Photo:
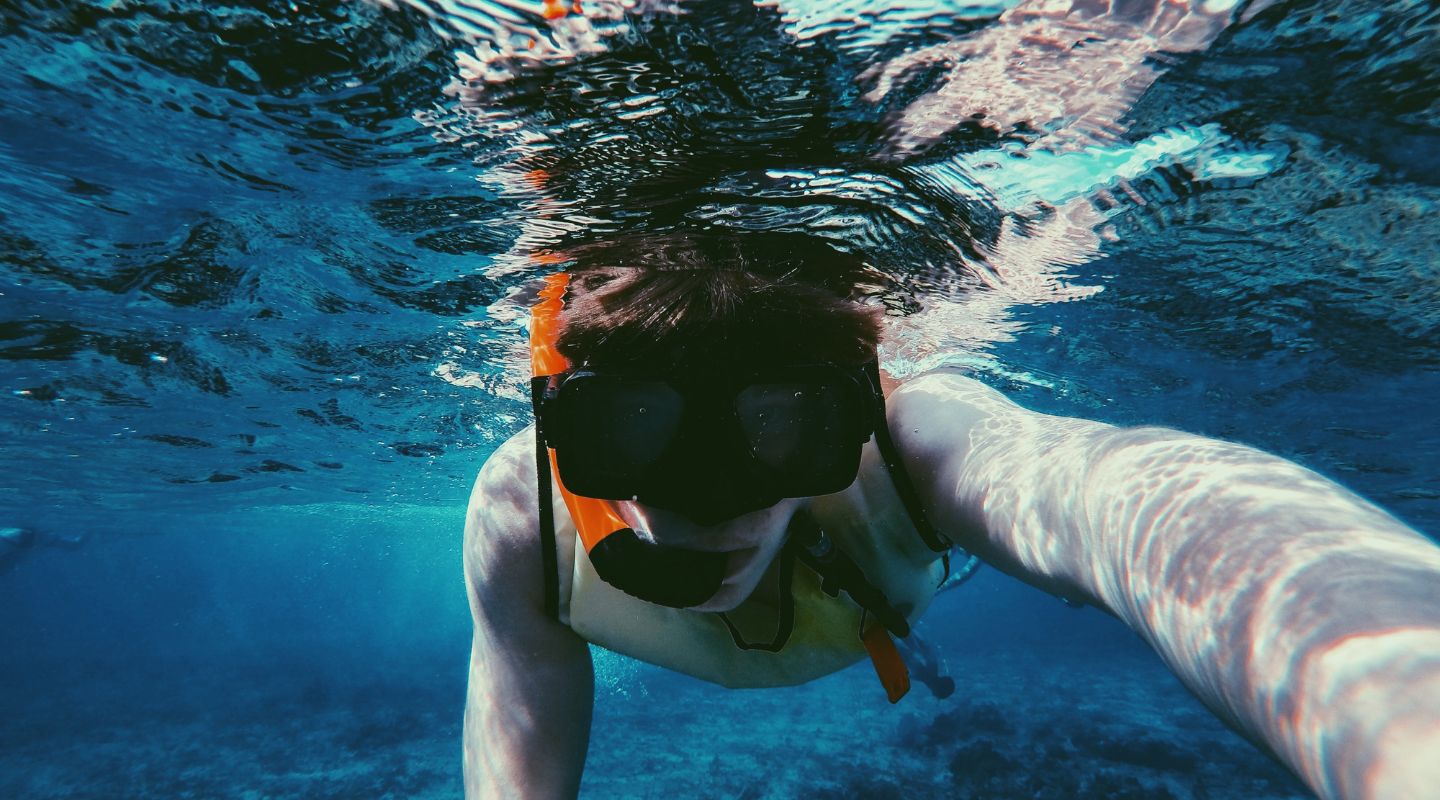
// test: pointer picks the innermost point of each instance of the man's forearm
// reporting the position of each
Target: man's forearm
(1301, 612)
(1304, 615)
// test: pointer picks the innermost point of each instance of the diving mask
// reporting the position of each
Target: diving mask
(710, 447)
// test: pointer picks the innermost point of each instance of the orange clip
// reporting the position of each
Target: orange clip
(889, 666)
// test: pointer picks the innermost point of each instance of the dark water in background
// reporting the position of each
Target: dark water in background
(260, 323)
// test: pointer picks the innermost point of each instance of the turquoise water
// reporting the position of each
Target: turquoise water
(263, 270)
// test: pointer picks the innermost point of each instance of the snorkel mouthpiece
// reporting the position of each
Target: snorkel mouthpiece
(657, 573)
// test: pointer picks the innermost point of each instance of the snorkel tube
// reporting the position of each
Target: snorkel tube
(594, 519)
(655, 573)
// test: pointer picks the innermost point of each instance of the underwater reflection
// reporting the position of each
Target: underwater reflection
(960, 161)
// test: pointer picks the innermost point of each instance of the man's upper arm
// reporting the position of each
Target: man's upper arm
(528, 705)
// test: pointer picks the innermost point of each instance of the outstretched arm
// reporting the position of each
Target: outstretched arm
(1297, 611)
(529, 701)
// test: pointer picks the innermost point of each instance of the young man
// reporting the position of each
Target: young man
(718, 399)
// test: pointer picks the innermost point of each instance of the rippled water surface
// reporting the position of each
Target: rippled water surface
(279, 252)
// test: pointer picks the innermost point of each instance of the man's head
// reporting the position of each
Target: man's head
(712, 388)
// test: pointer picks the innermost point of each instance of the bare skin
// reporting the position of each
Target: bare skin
(1299, 613)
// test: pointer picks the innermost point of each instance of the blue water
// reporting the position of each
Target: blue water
(261, 319)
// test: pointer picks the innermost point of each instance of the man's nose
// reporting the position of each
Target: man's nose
(708, 515)
(718, 501)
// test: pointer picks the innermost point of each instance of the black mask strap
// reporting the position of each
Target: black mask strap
(785, 612)
(899, 476)
(549, 558)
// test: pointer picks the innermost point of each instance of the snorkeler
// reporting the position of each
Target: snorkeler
(723, 482)
(719, 485)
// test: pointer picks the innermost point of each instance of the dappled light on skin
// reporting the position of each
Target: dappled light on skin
(1345, 675)
(1301, 601)
(1303, 615)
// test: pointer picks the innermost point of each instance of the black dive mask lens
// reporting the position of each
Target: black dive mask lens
(715, 504)
(711, 448)
(609, 433)
(805, 436)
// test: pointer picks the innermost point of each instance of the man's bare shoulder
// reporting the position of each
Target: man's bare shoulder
(507, 478)
(501, 522)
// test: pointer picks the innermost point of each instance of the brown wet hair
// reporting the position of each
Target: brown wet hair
(687, 302)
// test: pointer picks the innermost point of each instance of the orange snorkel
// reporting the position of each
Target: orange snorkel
(594, 519)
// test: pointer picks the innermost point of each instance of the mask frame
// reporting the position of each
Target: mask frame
(743, 441)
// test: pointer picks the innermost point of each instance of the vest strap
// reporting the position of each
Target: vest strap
(785, 625)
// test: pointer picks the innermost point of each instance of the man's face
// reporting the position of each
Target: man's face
(720, 517)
